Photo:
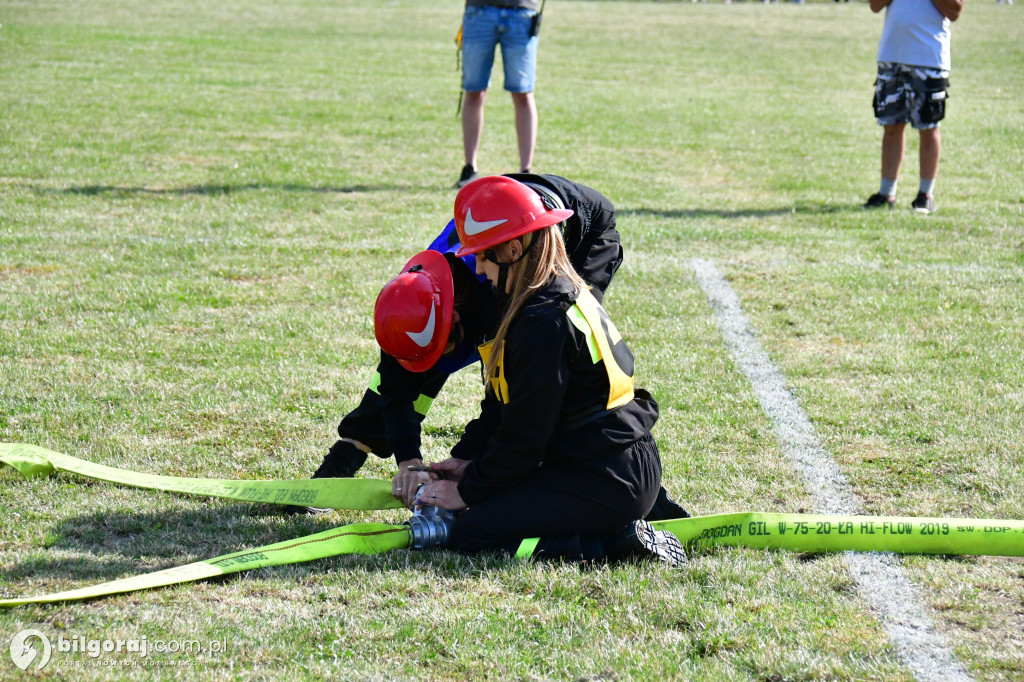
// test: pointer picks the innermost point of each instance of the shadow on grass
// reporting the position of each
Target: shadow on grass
(127, 543)
(799, 209)
(221, 190)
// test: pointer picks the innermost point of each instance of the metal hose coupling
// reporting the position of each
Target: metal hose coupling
(430, 527)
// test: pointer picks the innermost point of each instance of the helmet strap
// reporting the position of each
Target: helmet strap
(503, 268)
(502, 284)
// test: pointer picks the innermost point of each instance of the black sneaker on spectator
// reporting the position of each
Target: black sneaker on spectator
(342, 461)
(639, 540)
(879, 200)
(468, 176)
(923, 204)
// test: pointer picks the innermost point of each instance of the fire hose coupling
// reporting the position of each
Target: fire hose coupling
(430, 527)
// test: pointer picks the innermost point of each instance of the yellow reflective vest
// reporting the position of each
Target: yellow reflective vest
(604, 342)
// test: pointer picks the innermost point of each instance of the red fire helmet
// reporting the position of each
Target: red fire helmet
(413, 313)
(495, 209)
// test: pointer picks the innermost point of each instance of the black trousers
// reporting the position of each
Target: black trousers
(571, 510)
(366, 423)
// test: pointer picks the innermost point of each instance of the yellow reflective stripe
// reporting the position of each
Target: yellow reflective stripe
(527, 547)
(580, 322)
(423, 404)
(620, 384)
(498, 383)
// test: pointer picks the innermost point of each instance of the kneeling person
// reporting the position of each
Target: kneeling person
(562, 449)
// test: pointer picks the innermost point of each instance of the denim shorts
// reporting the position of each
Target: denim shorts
(483, 28)
(910, 94)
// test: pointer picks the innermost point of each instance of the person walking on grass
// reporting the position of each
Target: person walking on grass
(912, 87)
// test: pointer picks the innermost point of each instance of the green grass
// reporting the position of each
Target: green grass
(199, 203)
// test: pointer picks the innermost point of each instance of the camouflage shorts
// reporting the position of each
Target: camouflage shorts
(910, 94)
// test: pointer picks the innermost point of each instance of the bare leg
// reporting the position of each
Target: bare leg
(472, 124)
(931, 148)
(526, 127)
(892, 150)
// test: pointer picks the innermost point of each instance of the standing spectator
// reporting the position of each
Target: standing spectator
(514, 24)
(912, 84)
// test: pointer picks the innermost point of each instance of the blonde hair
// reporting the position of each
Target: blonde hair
(544, 257)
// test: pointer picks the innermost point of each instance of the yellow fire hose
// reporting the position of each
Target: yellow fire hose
(812, 533)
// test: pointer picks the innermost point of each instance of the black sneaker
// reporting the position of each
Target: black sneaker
(923, 204)
(639, 540)
(468, 176)
(879, 200)
(666, 508)
(342, 461)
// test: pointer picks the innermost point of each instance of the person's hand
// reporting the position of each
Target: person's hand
(405, 483)
(443, 494)
(453, 468)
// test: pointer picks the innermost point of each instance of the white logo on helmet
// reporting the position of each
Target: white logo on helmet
(476, 227)
(422, 338)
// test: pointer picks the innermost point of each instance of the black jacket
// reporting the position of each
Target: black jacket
(556, 412)
(591, 239)
(387, 419)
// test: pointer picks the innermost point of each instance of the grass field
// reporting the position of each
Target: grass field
(200, 201)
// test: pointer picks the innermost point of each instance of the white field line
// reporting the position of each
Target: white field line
(879, 577)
